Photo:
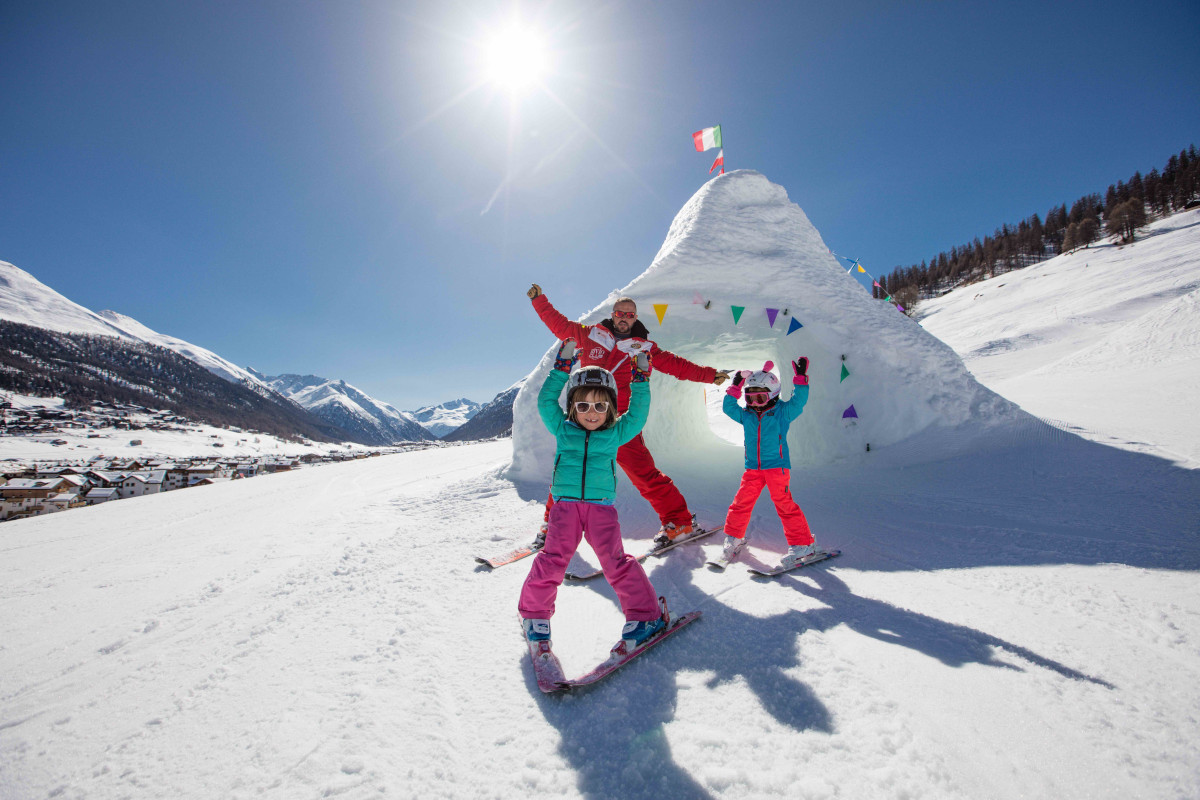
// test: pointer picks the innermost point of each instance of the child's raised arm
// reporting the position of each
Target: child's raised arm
(548, 407)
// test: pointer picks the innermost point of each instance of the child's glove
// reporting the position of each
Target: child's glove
(735, 389)
(640, 364)
(566, 356)
(800, 367)
(534, 292)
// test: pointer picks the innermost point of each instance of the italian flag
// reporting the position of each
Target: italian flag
(720, 162)
(707, 139)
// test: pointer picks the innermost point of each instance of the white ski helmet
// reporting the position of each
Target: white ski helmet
(764, 381)
(592, 377)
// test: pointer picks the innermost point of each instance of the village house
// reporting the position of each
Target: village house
(139, 484)
(102, 495)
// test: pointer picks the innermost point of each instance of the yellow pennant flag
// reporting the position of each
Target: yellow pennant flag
(661, 310)
(860, 269)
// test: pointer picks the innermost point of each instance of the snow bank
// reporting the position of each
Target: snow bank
(741, 242)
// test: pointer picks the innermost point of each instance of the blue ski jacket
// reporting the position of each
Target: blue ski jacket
(765, 433)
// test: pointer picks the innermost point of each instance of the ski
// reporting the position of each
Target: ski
(815, 558)
(657, 550)
(509, 557)
(619, 656)
(546, 666)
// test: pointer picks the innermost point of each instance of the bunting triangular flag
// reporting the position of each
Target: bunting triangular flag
(860, 269)
(661, 310)
(845, 373)
(794, 326)
(850, 412)
(737, 313)
(696, 298)
(771, 314)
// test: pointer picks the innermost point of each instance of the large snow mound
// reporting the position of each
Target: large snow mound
(740, 242)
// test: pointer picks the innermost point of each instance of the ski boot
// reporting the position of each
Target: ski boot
(733, 547)
(670, 531)
(536, 630)
(798, 553)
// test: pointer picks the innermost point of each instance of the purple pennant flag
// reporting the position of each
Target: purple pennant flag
(900, 307)
(771, 314)
(850, 413)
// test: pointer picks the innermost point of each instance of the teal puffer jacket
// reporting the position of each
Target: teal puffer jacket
(765, 435)
(585, 461)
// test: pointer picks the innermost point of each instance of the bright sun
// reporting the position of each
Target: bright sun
(515, 58)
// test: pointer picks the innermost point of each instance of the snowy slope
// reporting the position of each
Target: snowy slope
(445, 417)
(1015, 615)
(1104, 341)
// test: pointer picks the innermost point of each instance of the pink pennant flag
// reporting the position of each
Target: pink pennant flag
(697, 299)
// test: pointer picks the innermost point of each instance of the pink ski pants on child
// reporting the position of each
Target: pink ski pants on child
(569, 520)
(795, 526)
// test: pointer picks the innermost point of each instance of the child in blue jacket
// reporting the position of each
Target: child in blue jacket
(765, 421)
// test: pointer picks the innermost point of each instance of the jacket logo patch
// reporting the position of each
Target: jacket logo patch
(597, 353)
(602, 337)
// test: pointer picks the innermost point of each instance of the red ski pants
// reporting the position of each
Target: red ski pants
(795, 526)
(659, 490)
(569, 521)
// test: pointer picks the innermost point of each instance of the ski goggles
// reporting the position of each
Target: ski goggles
(624, 315)
(757, 398)
(582, 407)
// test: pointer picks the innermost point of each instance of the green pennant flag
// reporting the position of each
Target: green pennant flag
(845, 373)
(737, 313)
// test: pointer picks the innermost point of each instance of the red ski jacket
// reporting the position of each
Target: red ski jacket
(600, 345)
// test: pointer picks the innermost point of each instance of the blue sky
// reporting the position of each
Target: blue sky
(335, 188)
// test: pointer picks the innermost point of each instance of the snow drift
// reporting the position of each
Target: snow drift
(740, 242)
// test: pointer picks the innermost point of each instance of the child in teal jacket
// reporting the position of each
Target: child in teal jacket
(584, 488)
(765, 421)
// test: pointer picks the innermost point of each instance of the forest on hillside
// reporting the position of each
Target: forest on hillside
(1125, 208)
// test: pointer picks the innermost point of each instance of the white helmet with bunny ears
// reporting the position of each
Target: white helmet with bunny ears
(764, 380)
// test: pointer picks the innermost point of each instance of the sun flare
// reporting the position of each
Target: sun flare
(515, 58)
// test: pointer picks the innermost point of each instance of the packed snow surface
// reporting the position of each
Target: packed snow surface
(1015, 614)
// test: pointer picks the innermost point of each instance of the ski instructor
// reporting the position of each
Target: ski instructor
(608, 345)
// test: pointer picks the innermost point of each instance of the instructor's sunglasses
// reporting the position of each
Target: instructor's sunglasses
(624, 315)
(582, 407)
(758, 398)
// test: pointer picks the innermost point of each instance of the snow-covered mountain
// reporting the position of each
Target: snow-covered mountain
(491, 419)
(371, 421)
(1014, 613)
(25, 299)
(445, 417)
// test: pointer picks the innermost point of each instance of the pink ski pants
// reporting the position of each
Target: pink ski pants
(795, 526)
(570, 520)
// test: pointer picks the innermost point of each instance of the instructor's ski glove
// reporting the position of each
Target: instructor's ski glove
(721, 377)
(566, 356)
(640, 364)
(800, 367)
(535, 291)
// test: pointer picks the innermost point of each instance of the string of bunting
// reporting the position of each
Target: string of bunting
(854, 264)
(772, 314)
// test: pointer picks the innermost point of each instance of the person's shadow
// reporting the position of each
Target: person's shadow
(614, 734)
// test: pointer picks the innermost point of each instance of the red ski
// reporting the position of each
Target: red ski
(620, 656)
